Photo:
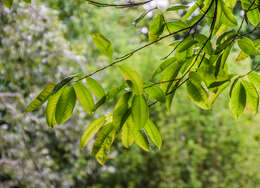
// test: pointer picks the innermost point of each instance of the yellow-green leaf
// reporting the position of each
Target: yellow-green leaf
(196, 92)
(51, 108)
(252, 97)
(91, 130)
(141, 140)
(65, 105)
(248, 46)
(133, 79)
(100, 138)
(101, 155)
(95, 87)
(155, 92)
(238, 99)
(127, 134)
(163, 66)
(255, 79)
(41, 98)
(103, 44)
(120, 110)
(140, 111)
(84, 96)
(156, 27)
(153, 132)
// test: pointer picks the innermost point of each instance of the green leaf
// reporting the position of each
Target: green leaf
(237, 100)
(103, 44)
(188, 42)
(141, 140)
(252, 12)
(202, 39)
(105, 148)
(156, 28)
(153, 132)
(255, 79)
(62, 83)
(140, 111)
(41, 98)
(8, 3)
(163, 66)
(254, 16)
(84, 96)
(115, 91)
(248, 46)
(177, 7)
(196, 92)
(230, 3)
(133, 79)
(127, 134)
(175, 26)
(101, 137)
(91, 130)
(51, 108)
(191, 10)
(252, 97)
(65, 105)
(120, 110)
(170, 75)
(95, 87)
(155, 92)
(228, 13)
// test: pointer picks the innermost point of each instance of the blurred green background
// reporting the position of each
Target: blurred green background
(48, 40)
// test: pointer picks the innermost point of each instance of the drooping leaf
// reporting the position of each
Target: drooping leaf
(140, 111)
(228, 13)
(188, 42)
(103, 44)
(156, 28)
(153, 132)
(155, 92)
(95, 87)
(255, 79)
(41, 98)
(62, 83)
(65, 105)
(141, 140)
(252, 97)
(196, 92)
(84, 96)
(248, 46)
(177, 7)
(169, 75)
(252, 12)
(120, 110)
(91, 130)
(101, 155)
(115, 91)
(127, 134)
(204, 42)
(175, 26)
(51, 108)
(238, 100)
(191, 10)
(133, 79)
(100, 138)
(163, 66)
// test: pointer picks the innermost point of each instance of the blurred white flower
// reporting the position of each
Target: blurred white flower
(162, 4)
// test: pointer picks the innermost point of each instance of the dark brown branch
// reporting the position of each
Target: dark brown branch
(127, 5)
